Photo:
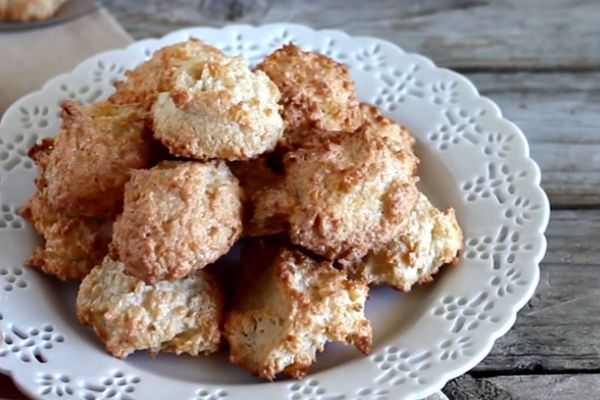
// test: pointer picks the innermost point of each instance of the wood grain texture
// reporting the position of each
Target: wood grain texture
(507, 34)
(559, 329)
(529, 387)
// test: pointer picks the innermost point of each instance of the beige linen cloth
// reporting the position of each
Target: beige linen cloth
(30, 58)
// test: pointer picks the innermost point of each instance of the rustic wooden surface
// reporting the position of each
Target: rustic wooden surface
(540, 61)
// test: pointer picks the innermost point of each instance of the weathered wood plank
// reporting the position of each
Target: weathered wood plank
(560, 115)
(530, 387)
(455, 33)
(559, 330)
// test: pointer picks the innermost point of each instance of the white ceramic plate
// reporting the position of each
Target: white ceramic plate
(472, 160)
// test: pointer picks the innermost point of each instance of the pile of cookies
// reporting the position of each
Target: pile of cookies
(141, 195)
(28, 10)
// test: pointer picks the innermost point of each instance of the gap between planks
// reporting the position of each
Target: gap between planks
(531, 387)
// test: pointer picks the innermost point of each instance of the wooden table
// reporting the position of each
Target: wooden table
(540, 61)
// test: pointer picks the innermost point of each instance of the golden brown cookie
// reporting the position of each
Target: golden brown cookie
(180, 316)
(72, 245)
(377, 124)
(142, 85)
(345, 196)
(215, 107)
(430, 240)
(317, 94)
(290, 307)
(92, 157)
(177, 217)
